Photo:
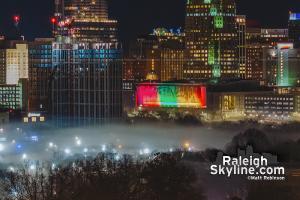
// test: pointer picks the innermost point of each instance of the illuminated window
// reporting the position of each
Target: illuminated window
(25, 120)
(42, 119)
(33, 119)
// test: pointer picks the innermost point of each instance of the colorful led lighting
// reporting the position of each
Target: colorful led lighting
(167, 95)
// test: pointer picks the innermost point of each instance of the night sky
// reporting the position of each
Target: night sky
(138, 16)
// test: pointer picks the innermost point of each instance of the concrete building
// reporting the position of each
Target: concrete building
(14, 62)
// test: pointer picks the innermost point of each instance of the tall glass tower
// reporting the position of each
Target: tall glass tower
(87, 66)
(88, 9)
(211, 39)
(85, 21)
(294, 29)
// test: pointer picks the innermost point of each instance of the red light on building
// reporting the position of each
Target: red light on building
(16, 18)
(53, 20)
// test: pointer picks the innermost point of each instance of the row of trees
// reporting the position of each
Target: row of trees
(162, 177)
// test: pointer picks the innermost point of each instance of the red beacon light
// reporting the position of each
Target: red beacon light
(17, 18)
(53, 20)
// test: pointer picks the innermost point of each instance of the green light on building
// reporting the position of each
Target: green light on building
(219, 21)
(211, 55)
(168, 96)
(207, 1)
(216, 71)
(283, 76)
(213, 11)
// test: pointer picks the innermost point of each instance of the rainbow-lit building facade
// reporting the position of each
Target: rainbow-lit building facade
(170, 95)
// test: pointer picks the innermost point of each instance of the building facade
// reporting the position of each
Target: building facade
(211, 39)
(14, 62)
(12, 97)
(161, 52)
(275, 106)
(294, 29)
(85, 21)
(281, 65)
(241, 31)
(40, 71)
(87, 84)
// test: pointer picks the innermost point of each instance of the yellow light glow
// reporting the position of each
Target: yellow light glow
(33, 119)
(25, 120)
(42, 119)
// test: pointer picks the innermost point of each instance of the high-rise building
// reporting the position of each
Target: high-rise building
(40, 69)
(254, 63)
(274, 36)
(270, 37)
(211, 39)
(161, 52)
(14, 62)
(85, 21)
(241, 31)
(158, 56)
(258, 40)
(294, 29)
(87, 83)
(281, 65)
(12, 97)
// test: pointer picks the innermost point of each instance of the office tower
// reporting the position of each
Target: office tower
(211, 39)
(12, 97)
(241, 31)
(266, 37)
(281, 65)
(40, 69)
(294, 29)
(14, 62)
(87, 83)
(254, 62)
(85, 21)
(166, 58)
(136, 59)
(158, 56)
(253, 35)
(274, 36)
(161, 52)
(13, 75)
(258, 40)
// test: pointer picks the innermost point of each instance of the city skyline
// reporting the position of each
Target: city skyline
(126, 12)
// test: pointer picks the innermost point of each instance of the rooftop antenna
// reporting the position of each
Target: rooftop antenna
(16, 20)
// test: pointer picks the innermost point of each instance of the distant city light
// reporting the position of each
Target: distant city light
(103, 147)
(67, 151)
(146, 151)
(32, 167)
(2, 147)
(78, 142)
(24, 156)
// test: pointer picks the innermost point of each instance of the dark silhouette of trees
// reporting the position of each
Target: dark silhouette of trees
(251, 137)
(162, 177)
